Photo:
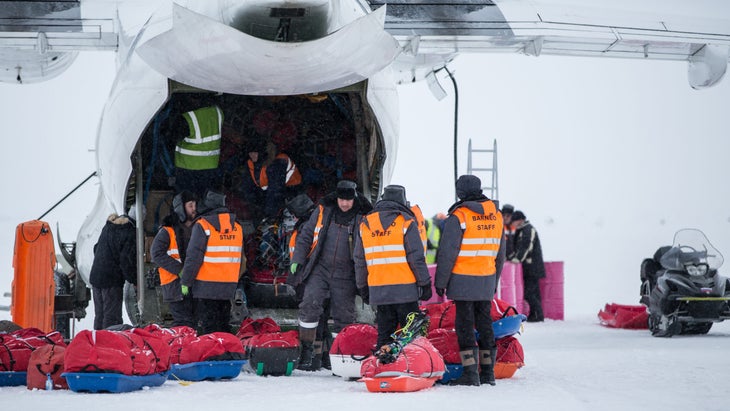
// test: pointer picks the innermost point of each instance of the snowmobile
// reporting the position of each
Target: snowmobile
(685, 294)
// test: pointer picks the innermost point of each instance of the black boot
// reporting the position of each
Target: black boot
(306, 342)
(317, 357)
(326, 363)
(487, 358)
(470, 373)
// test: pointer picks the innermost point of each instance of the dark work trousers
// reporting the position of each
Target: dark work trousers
(215, 315)
(389, 317)
(532, 296)
(323, 328)
(183, 312)
(471, 315)
(341, 293)
(107, 306)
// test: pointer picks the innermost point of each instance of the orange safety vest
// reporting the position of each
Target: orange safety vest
(292, 243)
(293, 177)
(385, 253)
(317, 229)
(421, 226)
(222, 260)
(251, 169)
(480, 241)
(167, 277)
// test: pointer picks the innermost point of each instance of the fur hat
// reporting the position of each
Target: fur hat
(468, 186)
(346, 190)
(178, 204)
(395, 193)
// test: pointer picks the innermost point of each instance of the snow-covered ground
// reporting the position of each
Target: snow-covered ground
(570, 365)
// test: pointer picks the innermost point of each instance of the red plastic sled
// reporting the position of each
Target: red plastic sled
(624, 316)
(401, 383)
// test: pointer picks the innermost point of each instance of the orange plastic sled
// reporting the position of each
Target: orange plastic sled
(34, 260)
(506, 369)
(401, 383)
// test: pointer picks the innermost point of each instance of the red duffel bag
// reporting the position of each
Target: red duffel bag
(442, 315)
(446, 343)
(99, 351)
(158, 347)
(355, 339)
(46, 361)
(250, 327)
(419, 358)
(218, 346)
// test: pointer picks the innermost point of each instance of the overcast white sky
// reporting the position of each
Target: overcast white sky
(607, 158)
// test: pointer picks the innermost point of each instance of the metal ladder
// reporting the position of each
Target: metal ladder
(488, 175)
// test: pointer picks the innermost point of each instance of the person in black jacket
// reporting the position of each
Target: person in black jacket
(115, 261)
(528, 252)
(322, 261)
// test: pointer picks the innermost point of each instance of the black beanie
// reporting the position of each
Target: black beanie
(468, 186)
(518, 215)
(211, 200)
(395, 193)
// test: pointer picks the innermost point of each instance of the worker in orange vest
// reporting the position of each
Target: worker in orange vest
(168, 252)
(214, 262)
(390, 264)
(470, 255)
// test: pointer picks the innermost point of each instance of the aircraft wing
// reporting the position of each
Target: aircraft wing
(39, 39)
(432, 33)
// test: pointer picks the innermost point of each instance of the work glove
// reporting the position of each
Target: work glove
(293, 268)
(425, 292)
(364, 294)
(440, 292)
(185, 290)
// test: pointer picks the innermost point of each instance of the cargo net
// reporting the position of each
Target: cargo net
(270, 244)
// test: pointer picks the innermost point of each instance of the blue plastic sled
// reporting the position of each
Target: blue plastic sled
(111, 382)
(452, 372)
(12, 378)
(508, 325)
(206, 370)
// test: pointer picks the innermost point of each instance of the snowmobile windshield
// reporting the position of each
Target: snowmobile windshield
(691, 249)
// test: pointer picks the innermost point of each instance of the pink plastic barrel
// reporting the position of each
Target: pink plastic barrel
(551, 290)
(512, 290)
(507, 291)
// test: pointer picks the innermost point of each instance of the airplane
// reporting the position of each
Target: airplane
(338, 62)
